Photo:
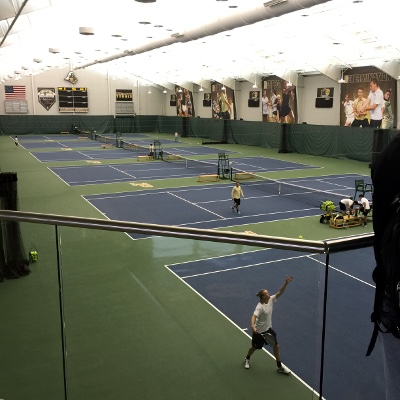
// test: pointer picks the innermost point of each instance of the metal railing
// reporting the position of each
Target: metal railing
(326, 247)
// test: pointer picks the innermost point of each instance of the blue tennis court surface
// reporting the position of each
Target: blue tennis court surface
(209, 206)
(230, 283)
(53, 144)
(114, 153)
(96, 174)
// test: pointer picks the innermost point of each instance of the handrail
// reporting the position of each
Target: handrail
(321, 247)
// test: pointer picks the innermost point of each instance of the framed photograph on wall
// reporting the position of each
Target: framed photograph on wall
(207, 100)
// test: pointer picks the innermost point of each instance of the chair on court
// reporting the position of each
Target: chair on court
(361, 186)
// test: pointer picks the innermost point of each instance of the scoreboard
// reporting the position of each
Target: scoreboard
(72, 99)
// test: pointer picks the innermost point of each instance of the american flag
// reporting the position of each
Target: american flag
(15, 92)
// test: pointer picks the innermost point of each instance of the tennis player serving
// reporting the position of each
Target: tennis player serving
(261, 325)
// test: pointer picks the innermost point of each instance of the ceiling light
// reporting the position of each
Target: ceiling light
(149, 92)
(54, 50)
(37, 60)
(180, 90)
(201, 89)
(341, 80)
(274, 3)
(255, 82)
(144, 22)
(223, 87)
(86, 30)
(164, 91)
(146, 1)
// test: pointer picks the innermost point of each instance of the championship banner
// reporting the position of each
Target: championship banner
(123, 95)
(357, 89)
(47, 97)
(222, 101)
(184, 102)
(279, 99)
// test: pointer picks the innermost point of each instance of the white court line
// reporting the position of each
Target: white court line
(193, 204)
(244, 266)
(342, 272)
(62, 180)
(122, 172)
(85, 155)
(225, 255)
(236, 217)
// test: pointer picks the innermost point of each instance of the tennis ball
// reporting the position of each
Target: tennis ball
(300, 237)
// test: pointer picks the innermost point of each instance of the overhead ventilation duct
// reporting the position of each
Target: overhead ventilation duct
(268, 10)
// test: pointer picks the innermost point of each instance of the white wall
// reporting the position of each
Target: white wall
(102, 89)
(307, 92)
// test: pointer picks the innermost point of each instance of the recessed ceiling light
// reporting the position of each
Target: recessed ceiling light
(149, 37)
(144, 22)
(86, 30)
(116, 35)
(232, 6)
(146, 1)
(158, 26)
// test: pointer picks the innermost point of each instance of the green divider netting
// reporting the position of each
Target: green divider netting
(261, 134)
(124, 124)
(146, 123)
(320, 140)
(206, 128)
(331, 141)
(170, 125)
(33, 124)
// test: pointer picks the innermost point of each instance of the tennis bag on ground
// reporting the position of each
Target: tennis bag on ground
(386, 314)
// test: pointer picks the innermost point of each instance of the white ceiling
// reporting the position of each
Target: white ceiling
(215, 40)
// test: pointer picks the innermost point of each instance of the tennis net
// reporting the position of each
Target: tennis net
(139, 150)
(105, 139)
(198, 166)
(293, 191)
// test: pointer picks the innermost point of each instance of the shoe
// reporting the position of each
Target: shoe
(284, 370)
(239, 212)
(246, 363)
(233, 207)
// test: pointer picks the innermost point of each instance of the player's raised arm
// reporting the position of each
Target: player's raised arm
(283, 288)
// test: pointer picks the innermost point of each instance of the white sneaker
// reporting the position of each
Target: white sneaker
(284, 370)
(246, 363)
(239, 212)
